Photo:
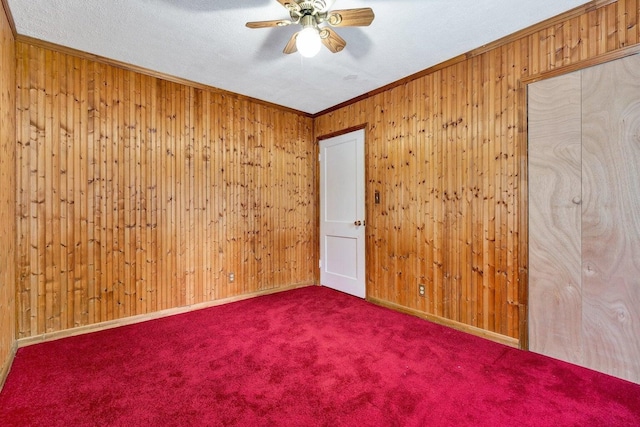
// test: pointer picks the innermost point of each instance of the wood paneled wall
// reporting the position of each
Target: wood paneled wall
(447, 152)
(135, 194)
(7, 194)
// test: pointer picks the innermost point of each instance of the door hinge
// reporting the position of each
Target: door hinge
(319, 263)
(319, 157)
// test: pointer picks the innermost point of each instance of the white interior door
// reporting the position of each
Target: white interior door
(342, 221)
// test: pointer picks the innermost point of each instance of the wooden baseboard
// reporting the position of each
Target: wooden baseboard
(52, 336)
(23, 342)
(502, 339)
(6, 365)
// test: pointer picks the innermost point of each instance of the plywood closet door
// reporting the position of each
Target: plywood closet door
(555, 310)
(611, 218)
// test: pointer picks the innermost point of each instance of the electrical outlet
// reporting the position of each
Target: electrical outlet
(421, 290)
(232, 277)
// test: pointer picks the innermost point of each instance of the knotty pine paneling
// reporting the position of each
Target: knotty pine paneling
(136, 194)
(7, 194)
(446, 152)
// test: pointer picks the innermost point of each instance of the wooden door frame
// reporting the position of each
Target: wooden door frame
(363, 126)
(523, 147)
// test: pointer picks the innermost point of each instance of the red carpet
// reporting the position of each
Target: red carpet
(308, 357)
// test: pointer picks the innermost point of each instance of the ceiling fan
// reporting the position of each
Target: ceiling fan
(311, 14)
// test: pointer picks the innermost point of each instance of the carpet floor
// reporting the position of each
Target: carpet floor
(306, 357)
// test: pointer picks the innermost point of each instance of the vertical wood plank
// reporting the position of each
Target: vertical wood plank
(12, 203)
(92, 244)
(24, 303)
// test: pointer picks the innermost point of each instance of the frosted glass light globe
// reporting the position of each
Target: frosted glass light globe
(308, 42)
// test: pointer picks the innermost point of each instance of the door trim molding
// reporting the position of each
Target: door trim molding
(345, 131)
(316, 178)
(591, 62)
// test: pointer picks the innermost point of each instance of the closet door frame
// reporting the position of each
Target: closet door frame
(523, 143)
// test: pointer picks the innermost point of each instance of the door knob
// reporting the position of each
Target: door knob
(577, 200)
(357, 223)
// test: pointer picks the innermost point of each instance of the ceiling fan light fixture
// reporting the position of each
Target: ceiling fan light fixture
(311, 14)
(308, 42)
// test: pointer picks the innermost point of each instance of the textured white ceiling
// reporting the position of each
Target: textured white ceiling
(206, 41)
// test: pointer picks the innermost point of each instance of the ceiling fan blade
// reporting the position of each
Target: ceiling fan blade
(332, 40)
(269, 24)
(323, 5)
(291, 45)
(290, 5)
(351, 17)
